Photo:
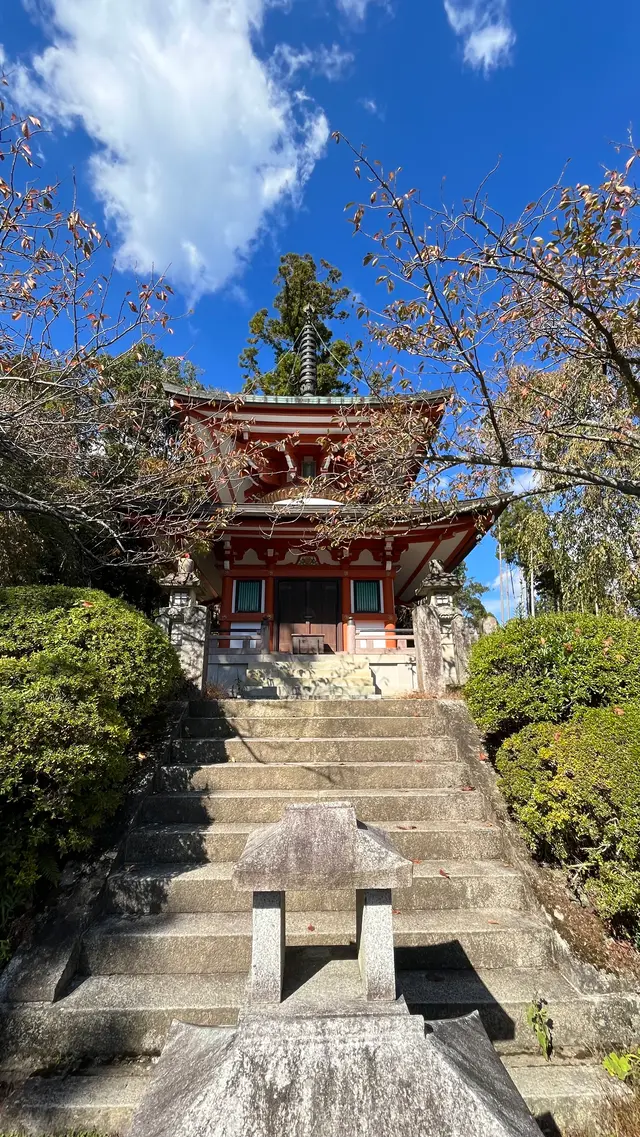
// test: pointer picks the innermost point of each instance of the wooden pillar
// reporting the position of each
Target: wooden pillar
(389, 609)
(345, 605)
(269, 609)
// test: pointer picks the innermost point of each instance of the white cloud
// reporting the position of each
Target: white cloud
(526, 481)
(355, 9)
(371, 106)
(331, 62)
(197, 138)
(485, 30)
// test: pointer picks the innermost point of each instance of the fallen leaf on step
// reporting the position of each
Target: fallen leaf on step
(482, 757)
(444, 874)
(311, 927)
(416, 862)
(396, 911)
(493, 921)
(467, 788)
(407, 827)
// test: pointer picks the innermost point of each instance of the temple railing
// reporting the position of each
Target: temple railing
(379, 640)
(237, 643)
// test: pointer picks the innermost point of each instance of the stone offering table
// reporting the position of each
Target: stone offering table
(321, 846)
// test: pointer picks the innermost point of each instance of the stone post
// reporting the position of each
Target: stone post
(350, 645)
(374, 939)
(267, 952)
(439, 650)
(185, 621)
(265, 635)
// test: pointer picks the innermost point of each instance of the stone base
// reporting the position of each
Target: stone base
(339, 676)
(378, 1074)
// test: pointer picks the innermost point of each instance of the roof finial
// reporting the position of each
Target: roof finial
(308, 357)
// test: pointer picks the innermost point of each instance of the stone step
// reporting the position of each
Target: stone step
(100, 1101)
(566, 1096)
(404, 806)
(107, 1016)
(312, 726)
(329, 750)
(143, 890)
(103, 1099)
(337, 708)
(314, 776)
(221, 942)
(224, 841)
(114, 1015)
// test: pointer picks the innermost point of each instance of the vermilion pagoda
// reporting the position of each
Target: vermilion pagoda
(282, 593)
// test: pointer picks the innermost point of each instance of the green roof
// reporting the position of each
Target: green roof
(216, 396)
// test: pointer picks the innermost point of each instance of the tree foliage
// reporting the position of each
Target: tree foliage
(532, 323)
(299, 285)
(582, 546)
(469, 599)
(90, 450)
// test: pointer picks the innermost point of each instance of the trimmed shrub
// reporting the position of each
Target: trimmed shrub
(542, 670)
(78, 672)
(575, 789)
(138, 664)
(62, 765)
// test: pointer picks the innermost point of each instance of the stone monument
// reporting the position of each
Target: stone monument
(184, 620)
(364, 1068)
(441, 639)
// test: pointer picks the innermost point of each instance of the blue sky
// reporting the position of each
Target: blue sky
(198, 129)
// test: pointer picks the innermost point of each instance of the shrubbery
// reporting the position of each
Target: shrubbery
(542, 670)
(569, 685)
(78, 673)
(575, 788)
(138, 664)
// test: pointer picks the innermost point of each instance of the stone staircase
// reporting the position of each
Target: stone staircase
(175, 939)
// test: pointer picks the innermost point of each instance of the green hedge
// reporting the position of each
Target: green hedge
(137, 663)
(544, 669)
(78, 673)
(575, 789)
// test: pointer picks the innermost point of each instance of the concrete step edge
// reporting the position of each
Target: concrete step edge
(223, 871)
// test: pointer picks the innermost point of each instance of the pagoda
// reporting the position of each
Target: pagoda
(279, 590)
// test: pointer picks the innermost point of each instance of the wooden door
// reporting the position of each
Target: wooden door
(308, 608)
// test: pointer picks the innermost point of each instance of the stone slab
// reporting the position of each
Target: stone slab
(320, 845)
(377, 1075)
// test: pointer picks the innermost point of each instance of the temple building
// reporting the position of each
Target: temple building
(278, 593)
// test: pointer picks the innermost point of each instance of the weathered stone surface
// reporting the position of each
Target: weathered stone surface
(267, 955)
(388, 1075)
(375, 942)
(320, 845)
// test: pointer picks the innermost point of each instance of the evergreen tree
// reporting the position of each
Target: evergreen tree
(299, 286)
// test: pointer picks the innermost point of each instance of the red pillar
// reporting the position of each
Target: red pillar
(345, 605)
(389, 609)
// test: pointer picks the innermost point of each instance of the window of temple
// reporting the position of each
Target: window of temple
(248, 596)
(367, 596)
(308, 467)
